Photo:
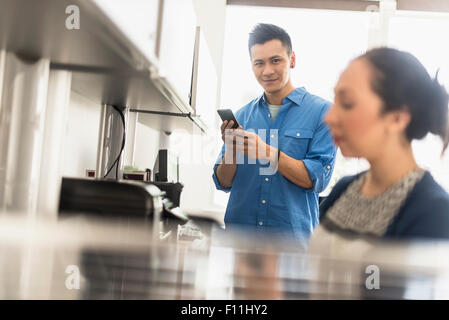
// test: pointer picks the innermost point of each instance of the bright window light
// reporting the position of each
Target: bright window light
(324, 42)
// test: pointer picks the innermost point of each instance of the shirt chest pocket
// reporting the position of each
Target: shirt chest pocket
(296, 142)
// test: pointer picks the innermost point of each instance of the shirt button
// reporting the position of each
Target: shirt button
(260, 223)
(272, 136)
(263, 201)
(266, 179)
(328, 167)
(298, 134)
(269, 115)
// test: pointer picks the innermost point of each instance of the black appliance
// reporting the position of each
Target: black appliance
(166, 167)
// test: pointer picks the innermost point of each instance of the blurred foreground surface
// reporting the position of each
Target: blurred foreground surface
(90, 258)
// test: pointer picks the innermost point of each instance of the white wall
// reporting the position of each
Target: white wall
(81, 139)
(147, 146)
(81, 136)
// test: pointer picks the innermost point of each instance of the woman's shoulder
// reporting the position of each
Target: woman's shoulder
(430, 194)
(425, 212)
(336, 192)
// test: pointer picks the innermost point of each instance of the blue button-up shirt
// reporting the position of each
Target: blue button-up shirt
(270, 201)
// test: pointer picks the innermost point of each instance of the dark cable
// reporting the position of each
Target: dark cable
(123, 145)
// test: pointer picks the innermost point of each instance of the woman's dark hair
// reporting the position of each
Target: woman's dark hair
(264, 32)
(401, 81)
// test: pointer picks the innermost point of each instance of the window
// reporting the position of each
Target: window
(324, 41)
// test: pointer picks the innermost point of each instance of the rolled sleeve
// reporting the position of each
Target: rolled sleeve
(320, 158)
(319, 173)
(214, 175)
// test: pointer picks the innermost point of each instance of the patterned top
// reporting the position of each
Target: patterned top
(370, 215)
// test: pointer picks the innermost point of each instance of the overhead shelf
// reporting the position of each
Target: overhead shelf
(108, 67)
(157, 103)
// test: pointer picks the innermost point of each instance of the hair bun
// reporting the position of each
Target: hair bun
(438, 108)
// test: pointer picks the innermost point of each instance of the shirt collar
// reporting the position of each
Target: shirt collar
(295, 96)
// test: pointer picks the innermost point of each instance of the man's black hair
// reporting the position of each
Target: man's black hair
(264, 32)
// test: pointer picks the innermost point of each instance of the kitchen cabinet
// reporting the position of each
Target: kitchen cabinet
(138, 19)
(176, 45)
(204, 84)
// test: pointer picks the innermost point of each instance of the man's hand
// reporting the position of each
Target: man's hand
(253, 146)
(250, 144)
(226, 129)
(229, 140)
(226, 170)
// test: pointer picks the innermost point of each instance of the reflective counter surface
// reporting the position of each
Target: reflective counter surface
(85, 258)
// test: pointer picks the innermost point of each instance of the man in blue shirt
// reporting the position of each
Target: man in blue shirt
(282, 155)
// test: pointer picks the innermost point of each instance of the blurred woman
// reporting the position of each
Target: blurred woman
(384, 100)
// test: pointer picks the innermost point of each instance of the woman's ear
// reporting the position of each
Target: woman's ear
(400, 119)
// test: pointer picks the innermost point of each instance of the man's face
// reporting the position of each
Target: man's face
(271, 65)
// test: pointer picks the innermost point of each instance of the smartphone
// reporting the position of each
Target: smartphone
(227, 114)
